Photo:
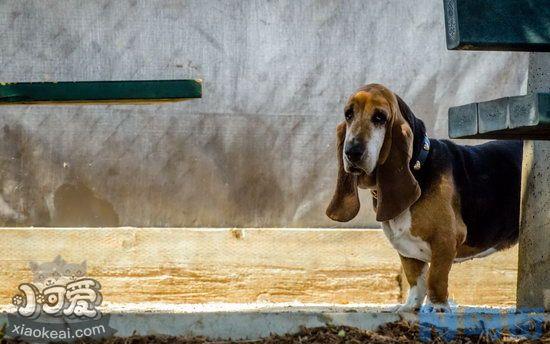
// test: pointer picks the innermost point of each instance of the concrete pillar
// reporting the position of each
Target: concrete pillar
(534, 240)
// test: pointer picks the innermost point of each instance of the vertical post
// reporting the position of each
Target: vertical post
(533, 288)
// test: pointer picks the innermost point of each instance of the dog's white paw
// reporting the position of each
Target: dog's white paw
(410, 306)
(406, 308)
(415, 299)
(436, 308)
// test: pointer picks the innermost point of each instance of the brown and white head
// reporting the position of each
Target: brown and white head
(374, 143)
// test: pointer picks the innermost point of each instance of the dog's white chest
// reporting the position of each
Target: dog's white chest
(398, 232)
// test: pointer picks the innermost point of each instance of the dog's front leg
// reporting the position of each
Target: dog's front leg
(416, 274)
(443, 254)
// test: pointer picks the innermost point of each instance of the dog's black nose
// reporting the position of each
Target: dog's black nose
(354, 150)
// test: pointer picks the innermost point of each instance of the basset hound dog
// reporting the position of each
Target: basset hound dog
(439, 203)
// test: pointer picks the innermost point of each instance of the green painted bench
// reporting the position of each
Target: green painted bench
(117, 92)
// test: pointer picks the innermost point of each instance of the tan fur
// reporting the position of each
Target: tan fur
(345, 202)
(396, 187)
(412, 268)
(440, 199)
(445, 233)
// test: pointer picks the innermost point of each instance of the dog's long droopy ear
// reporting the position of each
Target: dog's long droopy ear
(345, 201)
(397, 187)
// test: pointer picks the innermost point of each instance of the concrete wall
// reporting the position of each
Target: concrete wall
(534, 242)
(258, 149)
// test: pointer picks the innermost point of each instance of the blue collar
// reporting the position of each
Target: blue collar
(423, 154)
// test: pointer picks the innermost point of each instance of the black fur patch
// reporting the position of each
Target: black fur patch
(487, 178)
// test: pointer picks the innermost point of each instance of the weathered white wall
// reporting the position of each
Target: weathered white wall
(257, 149)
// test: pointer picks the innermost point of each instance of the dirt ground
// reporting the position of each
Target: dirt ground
(398, 332)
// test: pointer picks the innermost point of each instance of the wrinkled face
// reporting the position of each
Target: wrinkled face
(366, 116)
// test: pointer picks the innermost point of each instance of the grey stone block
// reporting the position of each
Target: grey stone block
(493, 115)
(523, 110)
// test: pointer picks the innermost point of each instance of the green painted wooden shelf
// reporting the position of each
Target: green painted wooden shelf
(521, 25)
(123, 92)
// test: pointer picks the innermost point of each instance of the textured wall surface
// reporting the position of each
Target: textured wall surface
(258, 149)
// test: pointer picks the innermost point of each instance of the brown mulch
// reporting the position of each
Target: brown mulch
(397, 332)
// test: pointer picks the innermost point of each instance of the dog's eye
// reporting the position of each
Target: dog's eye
(379, 118)
(349, 114)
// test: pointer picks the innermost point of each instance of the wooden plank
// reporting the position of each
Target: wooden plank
(126, 92)
(198, 265)
(206, 265)
(486, 281)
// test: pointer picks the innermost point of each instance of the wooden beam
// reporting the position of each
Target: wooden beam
(200, 265)
(133, 92)
(497, 25)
